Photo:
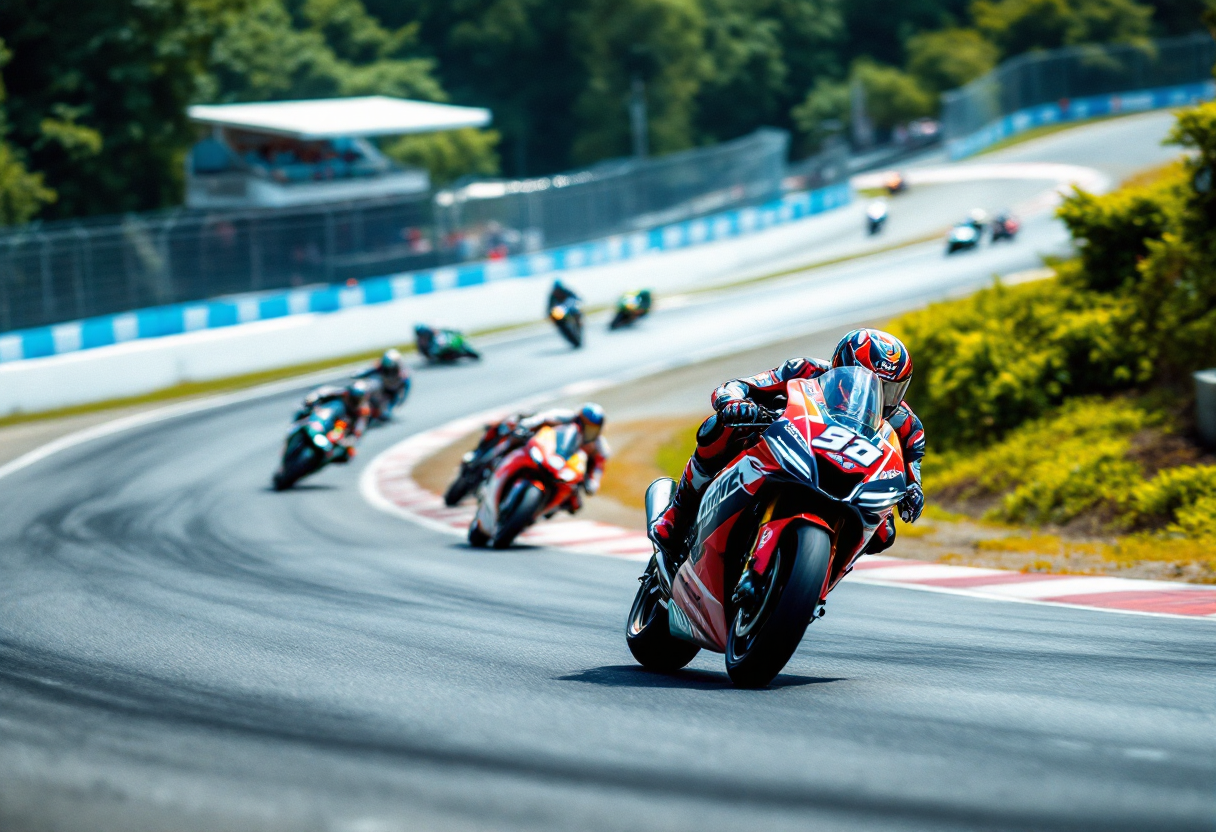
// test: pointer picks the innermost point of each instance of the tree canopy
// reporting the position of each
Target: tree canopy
(92, 118)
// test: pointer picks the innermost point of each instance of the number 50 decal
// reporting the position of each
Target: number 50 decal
(835, 438)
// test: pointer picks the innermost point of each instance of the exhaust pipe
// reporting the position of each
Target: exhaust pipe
(658, 497)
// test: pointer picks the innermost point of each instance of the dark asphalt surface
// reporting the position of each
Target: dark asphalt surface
(181, 648)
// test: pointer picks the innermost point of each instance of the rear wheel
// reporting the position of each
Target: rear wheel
(647, 632)
(761, 641)
(517, 513)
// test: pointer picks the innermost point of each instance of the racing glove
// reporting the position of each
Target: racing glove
(740, 412)
(912, 504)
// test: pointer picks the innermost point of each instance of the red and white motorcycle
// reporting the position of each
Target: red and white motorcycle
(529, 483)
(797, 507)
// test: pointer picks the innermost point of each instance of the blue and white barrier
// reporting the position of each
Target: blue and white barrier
(1079, 108)
(176, 319)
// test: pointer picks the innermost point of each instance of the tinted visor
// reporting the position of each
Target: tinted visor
(892, 394)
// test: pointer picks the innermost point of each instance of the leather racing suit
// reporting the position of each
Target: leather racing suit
(718, 443)
(357, 411)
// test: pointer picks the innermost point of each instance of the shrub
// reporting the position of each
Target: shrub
(988, 363)
(1051, 469)
(1175, 492)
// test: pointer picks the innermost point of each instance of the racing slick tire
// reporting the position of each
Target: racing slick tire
(572, 329)
(647, 631)
(760, 643)
(519, 510)
(459, 488)
(298, 462)
(477, 538)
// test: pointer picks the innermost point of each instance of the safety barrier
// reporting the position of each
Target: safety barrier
(175, 319)
(1077, 109)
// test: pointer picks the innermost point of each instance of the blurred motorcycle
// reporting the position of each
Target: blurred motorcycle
(443, 346)
(631, 308)
(568, 316)
(794, 511)
(1005, 227)
(876, 216)
(315, 440)
(963, 237)
(530, 483)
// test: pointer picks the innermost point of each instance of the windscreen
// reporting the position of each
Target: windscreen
(567, 441)
(854, 399)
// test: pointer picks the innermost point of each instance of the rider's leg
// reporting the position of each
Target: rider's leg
(715, 441)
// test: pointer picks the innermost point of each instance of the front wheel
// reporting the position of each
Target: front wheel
(760, 642)
(518, 511)
(647, 631)
(460, 487)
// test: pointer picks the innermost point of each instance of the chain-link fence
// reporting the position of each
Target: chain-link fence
(62, 271)
(1057, 76)
(614, 197)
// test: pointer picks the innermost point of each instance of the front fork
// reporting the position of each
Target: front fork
(768, 536)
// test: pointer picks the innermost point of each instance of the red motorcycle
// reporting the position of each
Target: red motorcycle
(531, 482)
(797, 507)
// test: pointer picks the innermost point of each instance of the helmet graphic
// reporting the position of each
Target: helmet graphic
(591, 419)
(359, 389)
(882, 354)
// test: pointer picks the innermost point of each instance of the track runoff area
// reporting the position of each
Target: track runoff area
(182, 648)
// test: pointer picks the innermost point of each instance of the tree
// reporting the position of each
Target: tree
(660, 42)
(449, 155)
(97, 95)
(328, 48)
(764, 55)
(949, 58)
(22, 194)
(892, 97)
(1018, 26)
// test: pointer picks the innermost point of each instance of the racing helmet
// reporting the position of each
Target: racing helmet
(591, 419)
(882, 354)
(359, 391)
(390, 362)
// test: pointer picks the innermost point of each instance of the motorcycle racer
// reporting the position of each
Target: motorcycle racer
(737, 403)
(354, 399)
(394, 377)
(590, 420)
(560, 293)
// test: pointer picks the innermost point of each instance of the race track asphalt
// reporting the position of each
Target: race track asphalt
(181, 648)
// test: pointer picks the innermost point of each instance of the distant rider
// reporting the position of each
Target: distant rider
(441, 344)
(590, 421)
(394, 378)
(354, 399)
(739, 401)
(560, 293)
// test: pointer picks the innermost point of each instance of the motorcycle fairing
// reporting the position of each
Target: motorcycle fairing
(561, 476)
(786, 453)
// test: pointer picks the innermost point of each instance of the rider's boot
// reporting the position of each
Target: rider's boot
(669, 531)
